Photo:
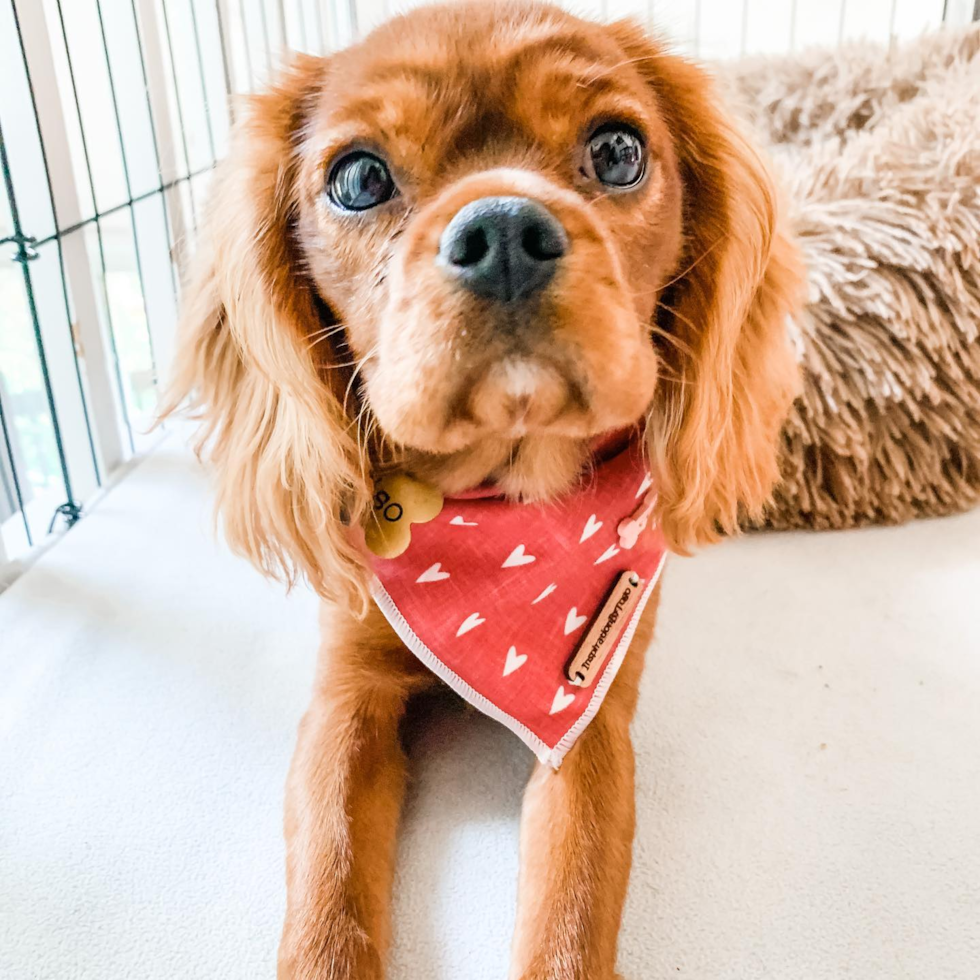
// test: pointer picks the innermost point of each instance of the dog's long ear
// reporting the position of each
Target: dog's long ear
(730, 374)
(286, 460)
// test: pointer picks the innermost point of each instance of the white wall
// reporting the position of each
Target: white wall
(703, 28)
(727, 28)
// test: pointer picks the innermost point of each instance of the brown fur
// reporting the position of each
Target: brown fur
(320, 348)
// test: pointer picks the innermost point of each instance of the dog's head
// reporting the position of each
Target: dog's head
(473, 244)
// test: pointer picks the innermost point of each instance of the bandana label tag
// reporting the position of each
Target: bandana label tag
(609, 623)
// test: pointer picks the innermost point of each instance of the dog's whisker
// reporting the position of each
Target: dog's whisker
(360, 429)
(669, 374)
(681, 345)
(324, 333)
(680, 275)
(597, 75)
(680, 316)
(358, 366)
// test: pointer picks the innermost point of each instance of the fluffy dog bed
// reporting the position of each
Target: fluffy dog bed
(880, 158)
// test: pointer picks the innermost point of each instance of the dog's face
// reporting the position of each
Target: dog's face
(490, 205)
(470, 245)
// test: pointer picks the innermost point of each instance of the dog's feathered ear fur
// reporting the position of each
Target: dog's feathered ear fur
(730, 374)
(285, 452)
(291, 476)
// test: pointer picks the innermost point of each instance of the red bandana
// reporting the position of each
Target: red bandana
(527, 610)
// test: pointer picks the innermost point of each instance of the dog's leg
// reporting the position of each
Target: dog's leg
(343, 798)
(576, 843)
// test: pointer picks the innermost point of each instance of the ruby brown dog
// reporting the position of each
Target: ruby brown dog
(504, 258)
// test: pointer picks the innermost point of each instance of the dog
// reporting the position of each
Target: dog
(477, 247)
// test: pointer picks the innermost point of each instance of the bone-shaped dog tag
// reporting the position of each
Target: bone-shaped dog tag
(399, 502)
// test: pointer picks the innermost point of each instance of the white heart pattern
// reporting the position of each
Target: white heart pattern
(470, 623)
(574, 621)
(610, 552)
(544, 595)
(591, 526)
(433, 573)
(514, 661)
(517, 558)
(561, 702)
(459, 522)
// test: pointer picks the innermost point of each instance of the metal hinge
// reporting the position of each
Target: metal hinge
(26, 252)
(70, 511)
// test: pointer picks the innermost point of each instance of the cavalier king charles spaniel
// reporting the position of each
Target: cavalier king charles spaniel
(477, 247)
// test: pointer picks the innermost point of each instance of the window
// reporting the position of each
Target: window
(112, 116)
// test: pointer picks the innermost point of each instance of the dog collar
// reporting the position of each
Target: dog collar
(525, 610)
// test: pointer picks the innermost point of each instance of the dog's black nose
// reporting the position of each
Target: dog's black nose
(503, 248)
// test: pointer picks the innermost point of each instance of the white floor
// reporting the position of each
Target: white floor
(808, 739)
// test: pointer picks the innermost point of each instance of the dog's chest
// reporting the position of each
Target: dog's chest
(527, 610)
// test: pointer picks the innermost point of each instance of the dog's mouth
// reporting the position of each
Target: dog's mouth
(517, 395)
(482, 396)
(523, 422)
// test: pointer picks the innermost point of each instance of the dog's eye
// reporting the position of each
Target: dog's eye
(614, 155)
(360, 181)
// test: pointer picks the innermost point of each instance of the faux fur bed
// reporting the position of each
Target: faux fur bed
(880, 158)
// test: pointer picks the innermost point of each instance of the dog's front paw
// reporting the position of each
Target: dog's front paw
(334, 950)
